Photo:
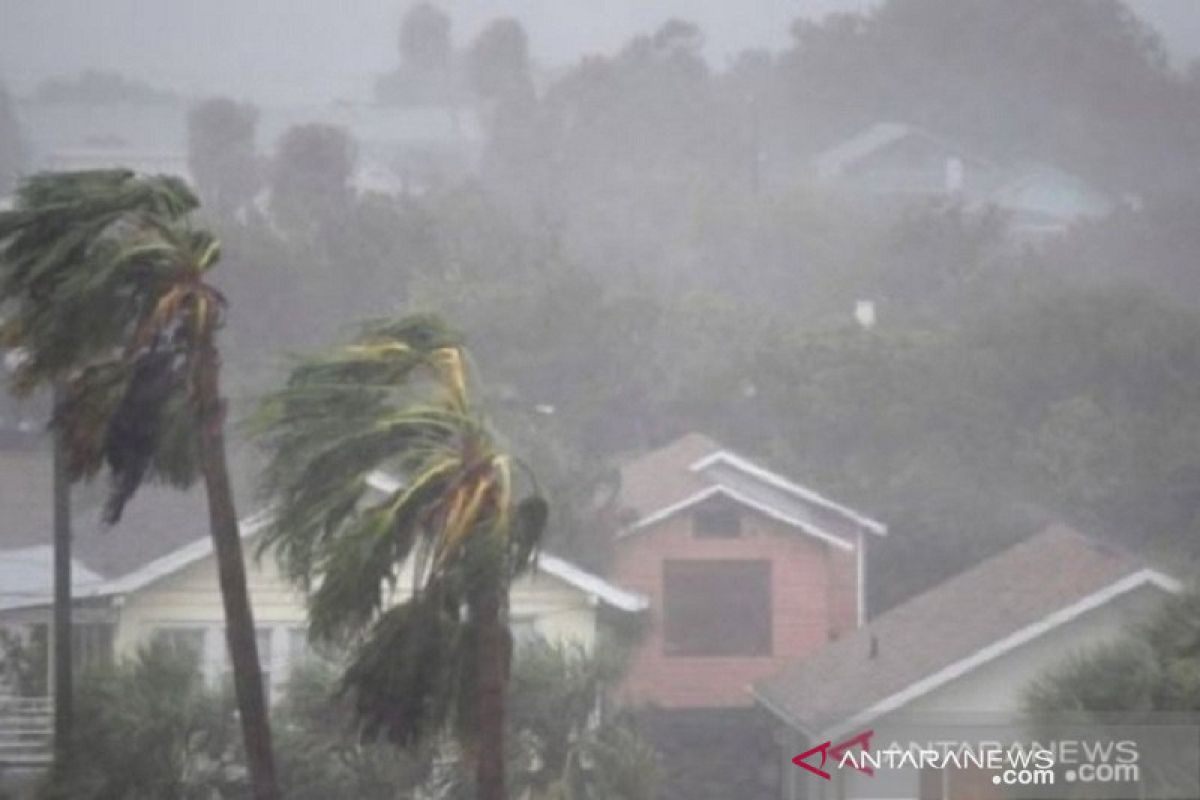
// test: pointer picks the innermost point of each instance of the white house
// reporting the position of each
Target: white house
(963, 652)
(154, 574)
(896, 162)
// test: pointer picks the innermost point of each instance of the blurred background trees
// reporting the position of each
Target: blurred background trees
(222, 153)
(642, 253)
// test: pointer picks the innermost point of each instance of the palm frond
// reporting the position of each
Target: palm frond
(56, 266)
(397, 399)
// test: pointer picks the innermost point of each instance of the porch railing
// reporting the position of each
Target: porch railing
(26, 731)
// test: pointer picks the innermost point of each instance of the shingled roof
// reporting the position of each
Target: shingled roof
(158, 520)
(970, 619)
(694, 468)
(161, 531)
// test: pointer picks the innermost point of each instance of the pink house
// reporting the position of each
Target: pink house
(745, 569)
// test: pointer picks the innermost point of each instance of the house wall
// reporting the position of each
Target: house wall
(190, 599)
(999, 685)
(540, 604)
(813, 591)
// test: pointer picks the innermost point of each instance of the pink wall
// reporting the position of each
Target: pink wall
(813, 590)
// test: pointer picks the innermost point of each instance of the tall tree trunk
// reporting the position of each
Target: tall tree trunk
(63, 683)
(231, 568)
(493, 678)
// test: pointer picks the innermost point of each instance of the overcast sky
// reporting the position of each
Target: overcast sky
(316, 50)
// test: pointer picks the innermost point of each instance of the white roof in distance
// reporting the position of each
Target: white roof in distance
(27, 577)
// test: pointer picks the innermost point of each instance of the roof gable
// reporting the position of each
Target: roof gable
(711, 463)
(695, 468)
(744, 500)
(882, 137)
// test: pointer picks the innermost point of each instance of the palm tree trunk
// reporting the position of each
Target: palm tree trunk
(63, 683)
(493, 676)
(231, 569)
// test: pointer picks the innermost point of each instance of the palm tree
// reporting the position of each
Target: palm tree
(57, 220)
(435, 652)
(127, 323)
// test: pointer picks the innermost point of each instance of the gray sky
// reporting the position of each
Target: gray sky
(316, 49)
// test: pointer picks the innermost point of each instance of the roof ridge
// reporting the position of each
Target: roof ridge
(780, 481)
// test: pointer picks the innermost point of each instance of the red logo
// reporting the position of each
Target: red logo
(827, 749)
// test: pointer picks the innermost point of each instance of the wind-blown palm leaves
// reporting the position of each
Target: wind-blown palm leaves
(63, 227)
(87, 305)
(103, 283)
(396, 402)
(150, 391)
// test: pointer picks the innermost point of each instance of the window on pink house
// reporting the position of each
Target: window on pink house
(717, 521)
(716, 608)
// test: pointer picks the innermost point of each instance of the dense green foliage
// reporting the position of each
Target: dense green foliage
(155, 729)
(1150, 676)
(1154, 667)
(150, 729)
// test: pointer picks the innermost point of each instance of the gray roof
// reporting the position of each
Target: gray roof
(982, 606)
(25, 577)
(152, 137)
(878, 137)
(157, 521)
(161, 531)
(687, 471)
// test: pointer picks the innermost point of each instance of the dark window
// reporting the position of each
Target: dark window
(717, 522)
(717, 608)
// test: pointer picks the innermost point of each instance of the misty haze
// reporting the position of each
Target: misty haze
(530, 400)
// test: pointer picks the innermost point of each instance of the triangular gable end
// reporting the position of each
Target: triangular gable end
(744, 500)
(777, 481)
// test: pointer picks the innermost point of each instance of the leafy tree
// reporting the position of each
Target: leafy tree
(310, 179)
(221, 153)
(560, 744)
(108, 284)
(425, 38)
(428, 73)
(1153, 667)
(150, 729)
(321, 755)
(566, 749)
(398, 399)
(1084, 84)
(498, 60)
(12, 144)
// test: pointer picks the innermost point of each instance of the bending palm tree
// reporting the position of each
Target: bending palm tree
(128, 325)
(397, 401)
(57, 220)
